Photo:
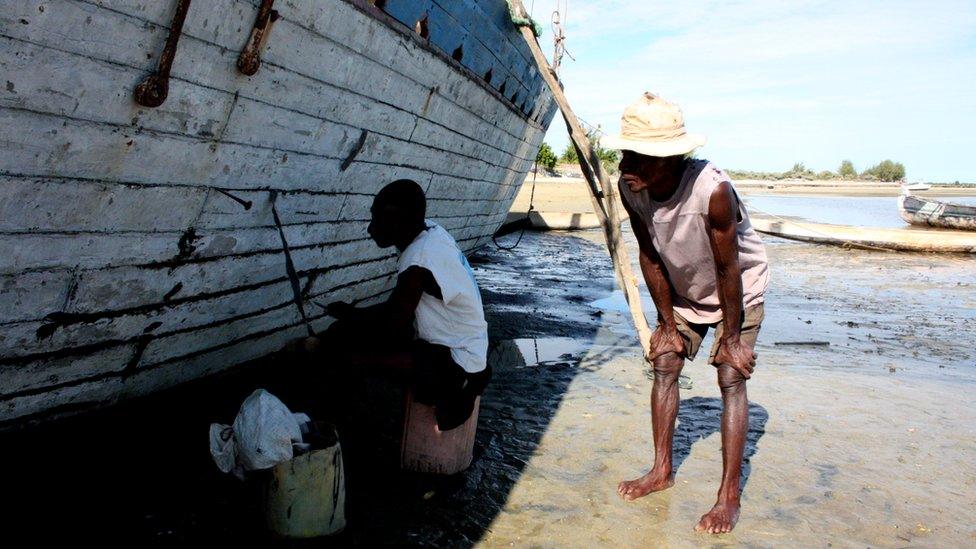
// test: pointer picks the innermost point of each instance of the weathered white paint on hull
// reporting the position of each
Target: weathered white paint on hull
(138, 247)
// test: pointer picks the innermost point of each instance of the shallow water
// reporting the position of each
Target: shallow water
(838, 210)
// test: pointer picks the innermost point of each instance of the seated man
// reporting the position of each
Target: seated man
(432, 328)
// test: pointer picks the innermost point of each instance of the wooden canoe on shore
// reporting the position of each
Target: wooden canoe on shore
(908, 240)
(556, 221)
(933, 213)
(541, 220)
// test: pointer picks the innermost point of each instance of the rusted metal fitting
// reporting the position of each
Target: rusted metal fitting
(250, 59)
(152, 91)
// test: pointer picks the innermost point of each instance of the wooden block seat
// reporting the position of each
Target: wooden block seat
(427, 449)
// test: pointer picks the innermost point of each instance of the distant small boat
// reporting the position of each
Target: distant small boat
(932, 213)
(915, 187)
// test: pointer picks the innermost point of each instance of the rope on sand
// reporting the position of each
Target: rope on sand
(525, 220)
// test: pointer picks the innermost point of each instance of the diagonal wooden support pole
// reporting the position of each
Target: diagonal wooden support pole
(603, 194)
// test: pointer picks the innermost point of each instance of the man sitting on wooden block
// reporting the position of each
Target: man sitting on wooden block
(432, 328)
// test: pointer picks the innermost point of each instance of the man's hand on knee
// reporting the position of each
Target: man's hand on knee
(736, 354)
(665, 339)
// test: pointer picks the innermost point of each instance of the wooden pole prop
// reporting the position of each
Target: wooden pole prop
(605, 201)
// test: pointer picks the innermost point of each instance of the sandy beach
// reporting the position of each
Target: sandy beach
(864, 439)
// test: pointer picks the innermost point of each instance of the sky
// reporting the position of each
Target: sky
(772, 83)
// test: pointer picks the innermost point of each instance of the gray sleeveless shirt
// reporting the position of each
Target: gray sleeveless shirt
(679, 232)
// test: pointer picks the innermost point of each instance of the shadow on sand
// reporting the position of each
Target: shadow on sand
(700, 417)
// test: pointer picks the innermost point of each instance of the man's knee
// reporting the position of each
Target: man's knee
(730, 380)
(668, 366)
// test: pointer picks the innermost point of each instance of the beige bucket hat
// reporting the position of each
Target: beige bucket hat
(654, 127)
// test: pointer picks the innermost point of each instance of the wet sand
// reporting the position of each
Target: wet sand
(852, 462)
(866, 442)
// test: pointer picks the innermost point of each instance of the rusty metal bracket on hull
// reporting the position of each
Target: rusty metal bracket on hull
(152, 91)
(250, 59)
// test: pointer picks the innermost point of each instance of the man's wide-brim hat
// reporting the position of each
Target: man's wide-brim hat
(653, 127)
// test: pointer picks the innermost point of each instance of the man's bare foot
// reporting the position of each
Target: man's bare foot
(651, 482)
(721, 519)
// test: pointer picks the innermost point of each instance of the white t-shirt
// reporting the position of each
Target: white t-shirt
(458, 320)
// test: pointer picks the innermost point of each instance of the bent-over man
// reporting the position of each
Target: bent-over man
(705, 268)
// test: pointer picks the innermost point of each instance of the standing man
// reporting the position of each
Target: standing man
(705, 267)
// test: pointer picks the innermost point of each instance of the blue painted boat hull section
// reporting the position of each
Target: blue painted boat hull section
(488, 41)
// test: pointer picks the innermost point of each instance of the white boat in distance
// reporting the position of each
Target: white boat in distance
(916, 187)
(153, 231)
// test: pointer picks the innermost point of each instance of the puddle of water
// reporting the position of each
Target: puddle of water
(534, 352)
(616, 302)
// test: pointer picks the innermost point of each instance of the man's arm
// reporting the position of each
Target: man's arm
(397, 311)
(722, 217)
(665, 338)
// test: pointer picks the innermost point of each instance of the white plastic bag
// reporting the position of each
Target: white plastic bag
(262, 436)
(223, 448)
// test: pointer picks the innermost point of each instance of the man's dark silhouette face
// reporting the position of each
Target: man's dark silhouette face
(386, 223)
(397, 214)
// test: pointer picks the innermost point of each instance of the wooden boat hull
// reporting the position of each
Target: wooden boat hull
(933, 213)
(144, 247)
(904, 240)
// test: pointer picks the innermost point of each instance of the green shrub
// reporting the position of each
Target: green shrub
(609, 158)
(746, 174)
(569, 155)
(546, 158)
(847, 170)
(886, 170)
(883, 171)
(798, 171)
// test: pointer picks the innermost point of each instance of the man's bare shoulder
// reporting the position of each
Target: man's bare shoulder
(722, 205)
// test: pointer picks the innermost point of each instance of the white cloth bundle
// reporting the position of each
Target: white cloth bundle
(262, 436)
